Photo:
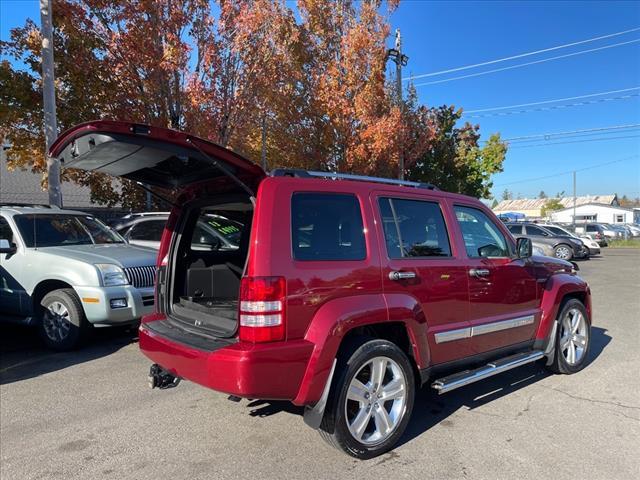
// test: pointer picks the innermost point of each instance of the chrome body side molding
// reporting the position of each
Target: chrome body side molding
(451, 335)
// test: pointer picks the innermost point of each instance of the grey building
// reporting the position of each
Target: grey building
(23, 186)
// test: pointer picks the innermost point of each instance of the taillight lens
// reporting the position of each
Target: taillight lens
(261, 309)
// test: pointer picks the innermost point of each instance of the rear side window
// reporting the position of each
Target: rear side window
(150, 230)
(536, 231)
(327, 226)
(413, 228)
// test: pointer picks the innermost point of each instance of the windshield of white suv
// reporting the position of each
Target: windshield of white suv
(54, 230)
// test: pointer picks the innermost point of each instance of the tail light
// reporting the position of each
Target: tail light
(261, 309)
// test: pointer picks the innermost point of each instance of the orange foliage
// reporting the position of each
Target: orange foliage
(316, 81)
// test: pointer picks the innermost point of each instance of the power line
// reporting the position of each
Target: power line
(552, 101)
(486, 72)
(525, 180)
(527, 54)
(570, 132)
(548, 144)
(553, 107)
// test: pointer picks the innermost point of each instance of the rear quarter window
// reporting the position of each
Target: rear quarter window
(327, 226)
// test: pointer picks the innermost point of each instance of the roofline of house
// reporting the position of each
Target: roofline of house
(597, 205)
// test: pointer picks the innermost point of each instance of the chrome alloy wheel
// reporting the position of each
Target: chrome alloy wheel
(376, 401)
(573, 336)
(563, 252)
(56, 321)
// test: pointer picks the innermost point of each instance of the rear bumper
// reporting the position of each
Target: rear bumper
(270, 371)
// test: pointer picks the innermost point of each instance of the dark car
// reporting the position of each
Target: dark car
(345, 294)
(592, 245)
(559, 246)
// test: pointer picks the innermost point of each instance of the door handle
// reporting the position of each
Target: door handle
(393, 275)
(479, 272)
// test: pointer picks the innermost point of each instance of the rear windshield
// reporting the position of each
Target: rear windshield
(61, 230)
(327, 226)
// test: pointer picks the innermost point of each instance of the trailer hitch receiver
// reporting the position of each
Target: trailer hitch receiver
(160, 378)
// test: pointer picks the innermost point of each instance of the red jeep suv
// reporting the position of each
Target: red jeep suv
(344, 294)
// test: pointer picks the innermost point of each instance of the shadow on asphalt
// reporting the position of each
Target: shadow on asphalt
(23, 356)
(431, 409)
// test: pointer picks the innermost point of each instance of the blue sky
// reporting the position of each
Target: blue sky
(443, 35)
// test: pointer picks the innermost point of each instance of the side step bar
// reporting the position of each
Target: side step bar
(457, 380)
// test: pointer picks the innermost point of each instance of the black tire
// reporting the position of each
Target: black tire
(334, 428)
(563, 251)
(62, 332)
(560, 363)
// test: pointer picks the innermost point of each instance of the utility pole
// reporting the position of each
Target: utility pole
(574, 201)
(49, 102)
(400, 60)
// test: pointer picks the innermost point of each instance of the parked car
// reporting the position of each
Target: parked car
(592, 245)
(346, 293)
(635, 229)
(601, 233)
(146, 229)
(64, 271)
(620, 230)
(559, 246)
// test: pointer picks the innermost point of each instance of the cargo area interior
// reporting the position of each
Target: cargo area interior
(210, 257)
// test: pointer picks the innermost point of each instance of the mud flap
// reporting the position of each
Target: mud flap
(313, 415)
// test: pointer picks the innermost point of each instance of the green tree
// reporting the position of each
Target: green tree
(494, 204)
(453, 159)
(542, 194)
(551, 205)
(507, 194)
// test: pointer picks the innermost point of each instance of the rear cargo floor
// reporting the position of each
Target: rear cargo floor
(219, 317)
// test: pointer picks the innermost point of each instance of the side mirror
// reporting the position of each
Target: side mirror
(7, 247)
(524, 247)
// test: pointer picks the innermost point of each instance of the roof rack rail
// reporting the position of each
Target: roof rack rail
(144, 214)
(32, 205)
(299, 173)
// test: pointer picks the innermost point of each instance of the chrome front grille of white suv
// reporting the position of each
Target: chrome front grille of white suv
(141, 277)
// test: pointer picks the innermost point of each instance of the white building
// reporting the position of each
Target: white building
(594, 212)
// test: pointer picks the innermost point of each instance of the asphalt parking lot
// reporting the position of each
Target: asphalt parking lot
(89, 414)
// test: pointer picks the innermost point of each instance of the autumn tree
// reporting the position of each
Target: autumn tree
(169, 64)
(454, 160)
(313, 81)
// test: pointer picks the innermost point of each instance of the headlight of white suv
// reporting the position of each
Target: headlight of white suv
(112, 275)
